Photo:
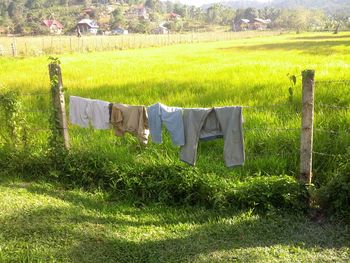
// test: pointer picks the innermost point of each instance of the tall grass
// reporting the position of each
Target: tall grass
(48, 45)
(235, 72)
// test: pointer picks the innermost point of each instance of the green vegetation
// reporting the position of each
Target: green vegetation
(46, 223)
(25, 17)
(142, 204)
(239, 72)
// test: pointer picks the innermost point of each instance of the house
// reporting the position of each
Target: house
(259, 24)
(120, 31)
(173, 17)
(161, 30)
(255, 24)
(241, 25)
(87, 26)
(139, 12)
(53, 25)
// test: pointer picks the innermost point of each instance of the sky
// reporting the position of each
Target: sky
(202, 2)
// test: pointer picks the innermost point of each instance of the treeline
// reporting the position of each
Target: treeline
(26, 16)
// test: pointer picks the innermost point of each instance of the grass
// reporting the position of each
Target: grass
(40, 222)
(237, 72)
(48, 45)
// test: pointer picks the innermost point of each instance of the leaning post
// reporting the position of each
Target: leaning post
(60, 117)
(306, 141)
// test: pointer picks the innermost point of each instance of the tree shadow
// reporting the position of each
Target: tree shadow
(322, 37)
(324, 48)
(84, 233)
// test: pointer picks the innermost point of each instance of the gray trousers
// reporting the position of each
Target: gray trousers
(206, 124)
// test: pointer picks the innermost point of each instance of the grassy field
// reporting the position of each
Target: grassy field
(47, 45)
(238, 72)
(45, 223)
(41, 222)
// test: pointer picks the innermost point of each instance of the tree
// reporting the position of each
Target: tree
(153, 5)
(15, 10)
(294, 19)
(34, 4)
(214, 14)
(251, 13)
(117, 18)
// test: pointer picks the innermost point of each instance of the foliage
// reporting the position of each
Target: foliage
(334, 197)
(196, 75)
(167, 184)
(25, 16)
(13, 130)
(218, 14)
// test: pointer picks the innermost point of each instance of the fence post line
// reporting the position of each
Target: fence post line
(14, 47)
(70, 44)
(307, 123)
(58, 102)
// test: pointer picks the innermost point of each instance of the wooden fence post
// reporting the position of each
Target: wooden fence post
(306, 141)
(14, 48)
(59, 103)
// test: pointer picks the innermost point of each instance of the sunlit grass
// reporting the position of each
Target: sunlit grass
(45, 223)
(237, 72)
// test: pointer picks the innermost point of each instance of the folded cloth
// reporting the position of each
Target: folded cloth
(132, 119)
(85, 112)
(206, 124)
(171, 117)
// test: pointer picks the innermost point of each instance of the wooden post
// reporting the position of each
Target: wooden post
(14, 49)
(59, 103)
(307, 124)
(70, 45)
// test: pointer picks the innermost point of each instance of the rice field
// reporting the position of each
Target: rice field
(247, 71)
(48, 45)
(45, 222)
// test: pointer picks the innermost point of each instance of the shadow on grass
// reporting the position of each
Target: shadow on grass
(318, 48)
(330, 36)
(88, 230)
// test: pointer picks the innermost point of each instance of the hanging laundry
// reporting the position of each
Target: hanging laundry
(100, 115)
(85, 112)
(132, 119)
(171, 117)
(78, 111)
(208, 124)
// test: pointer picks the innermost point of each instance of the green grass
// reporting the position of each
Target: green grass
(238, 72)
(48, 45)
(40, 222)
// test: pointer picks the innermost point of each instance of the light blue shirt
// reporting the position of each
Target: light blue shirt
(171, 117)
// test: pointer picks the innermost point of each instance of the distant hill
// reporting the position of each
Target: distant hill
(330, 6)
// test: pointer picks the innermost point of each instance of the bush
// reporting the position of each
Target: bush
(335, 196)
(168, 184)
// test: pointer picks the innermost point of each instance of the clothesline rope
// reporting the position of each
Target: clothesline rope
(261, 108)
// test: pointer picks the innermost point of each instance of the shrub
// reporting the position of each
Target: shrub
(168, 184)
(334, 197)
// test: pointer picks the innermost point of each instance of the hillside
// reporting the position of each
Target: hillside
(330, 6)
